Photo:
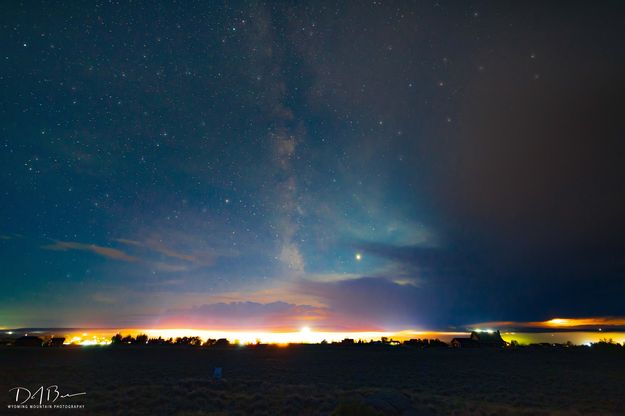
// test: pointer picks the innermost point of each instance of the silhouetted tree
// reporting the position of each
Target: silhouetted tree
(418, 343)
(194, 341)
(605, 344)
(222, 342)
(209, 342)
(156, 341)
(128, 339)
(141, 339)
(116, 339)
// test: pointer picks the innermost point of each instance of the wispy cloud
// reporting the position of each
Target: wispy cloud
(173, 250)
(165, 251)
(11, 236)
(108, 252)
(170, 267)
(173, 262)
(159, 247)
(241, 315)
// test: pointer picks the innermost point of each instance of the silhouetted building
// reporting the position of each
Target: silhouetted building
(464, 343)
(488, 338)
(28, 341)
(55, 342)
(479, 339)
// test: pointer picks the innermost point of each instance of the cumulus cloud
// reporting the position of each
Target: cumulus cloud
(354, 304)
(370, 303)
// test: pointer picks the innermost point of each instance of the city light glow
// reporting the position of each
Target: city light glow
(93, 340)
(569, 323)
(305, 335)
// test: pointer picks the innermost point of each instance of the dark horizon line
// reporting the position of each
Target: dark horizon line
(603, 328)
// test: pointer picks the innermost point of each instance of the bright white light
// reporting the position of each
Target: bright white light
(558, 321)
(358, 256)
(77, 340)
(280, 338)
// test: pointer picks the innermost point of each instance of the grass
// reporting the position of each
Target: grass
(311, 380)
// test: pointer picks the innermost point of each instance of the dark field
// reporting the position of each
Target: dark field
(321, 380)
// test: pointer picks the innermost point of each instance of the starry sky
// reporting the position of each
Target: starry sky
(345, 166)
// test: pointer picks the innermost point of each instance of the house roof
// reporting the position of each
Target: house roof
(487, 337)
(465, 342)
(28, 338)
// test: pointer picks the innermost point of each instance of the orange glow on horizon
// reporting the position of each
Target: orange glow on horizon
(586, 330)
(85, 340)
(305, 335)
(559, 323)
(578, 335)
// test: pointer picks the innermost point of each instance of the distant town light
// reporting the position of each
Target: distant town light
(558, 321)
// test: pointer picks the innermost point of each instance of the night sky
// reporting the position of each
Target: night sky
(348, 166)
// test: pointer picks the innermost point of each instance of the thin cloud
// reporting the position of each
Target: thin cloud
(152, 252)
(11, 236)
(253, 315)
(587, 323)
(159, 247)
(107, 252)
(167, 267)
